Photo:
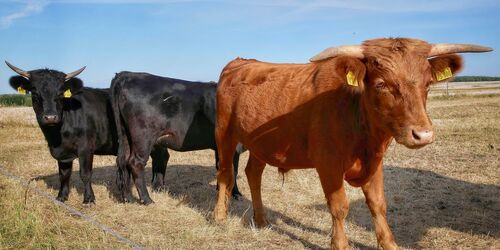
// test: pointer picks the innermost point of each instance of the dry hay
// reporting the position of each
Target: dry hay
(443, 196)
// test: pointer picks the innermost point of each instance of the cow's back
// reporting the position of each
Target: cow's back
(262, 101)
(171, 106)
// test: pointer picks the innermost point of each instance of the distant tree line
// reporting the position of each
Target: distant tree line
(15, 100)
(475, 78)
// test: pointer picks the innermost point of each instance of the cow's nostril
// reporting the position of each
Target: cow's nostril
(423, 136)
(415, 135)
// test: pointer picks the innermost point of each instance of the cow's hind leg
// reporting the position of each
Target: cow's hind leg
(137, 162)
(332, 182)
(375, 199)
(254, 170)
(160, 157)
(65, 169)
(86, 159)
(226, 146)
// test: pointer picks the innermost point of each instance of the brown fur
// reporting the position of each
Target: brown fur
(296, 116)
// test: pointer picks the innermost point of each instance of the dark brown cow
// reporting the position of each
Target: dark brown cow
(337, 114)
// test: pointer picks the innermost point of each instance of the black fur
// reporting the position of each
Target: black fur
(151, 110)
(84, 124)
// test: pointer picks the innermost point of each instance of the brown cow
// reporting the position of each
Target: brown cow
(337, 114)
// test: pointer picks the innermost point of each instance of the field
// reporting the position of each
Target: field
(444, 196)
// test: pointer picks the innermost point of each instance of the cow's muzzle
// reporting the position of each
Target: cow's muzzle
(50, 119)
(416, 137)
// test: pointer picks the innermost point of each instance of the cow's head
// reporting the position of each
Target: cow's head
(399, 72)
(48, 89)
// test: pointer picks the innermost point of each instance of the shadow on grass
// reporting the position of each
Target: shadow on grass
(418, 200)
(192, 183)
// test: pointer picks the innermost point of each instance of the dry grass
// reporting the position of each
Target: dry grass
(443, 196)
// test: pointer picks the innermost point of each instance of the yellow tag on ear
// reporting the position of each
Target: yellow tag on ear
(21, 90)
(67, 93)
(351, 79)
(445, 74)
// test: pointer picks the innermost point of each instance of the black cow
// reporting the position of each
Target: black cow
(77, 122)
(153, 110)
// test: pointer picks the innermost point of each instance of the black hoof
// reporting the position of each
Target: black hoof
(61, 198)
(237, 195)
(147, 201)
(127, 198)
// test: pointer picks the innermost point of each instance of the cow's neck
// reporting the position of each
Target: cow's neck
(360, 136)
(52, 134)
(360, 127)
(376, 137)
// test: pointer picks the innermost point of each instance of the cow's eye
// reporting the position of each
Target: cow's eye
(380, 85)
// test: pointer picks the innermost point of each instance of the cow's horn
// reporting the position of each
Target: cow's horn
(74, 73)
(449, 48)
(21, 72)
(346, 50)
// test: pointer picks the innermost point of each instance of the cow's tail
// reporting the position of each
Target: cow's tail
(123, 154)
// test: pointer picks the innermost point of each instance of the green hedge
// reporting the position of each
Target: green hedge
(15, 100)
(475, 78)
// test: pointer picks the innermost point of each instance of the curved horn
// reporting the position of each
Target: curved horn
(449, 48)
(74, 73)
(21, 72)
(346, 50)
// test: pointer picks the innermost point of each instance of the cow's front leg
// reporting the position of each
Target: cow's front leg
(236, 194)
(65, 169)
(160, 157)
(86, 159)
(225, 176)
(375, 199)
(332, 181)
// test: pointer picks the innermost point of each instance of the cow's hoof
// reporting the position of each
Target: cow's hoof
(127, 198)
(237, 196)
(220, 216)
(62, 198)
(146, 201)
(259, 222)
(389, 245)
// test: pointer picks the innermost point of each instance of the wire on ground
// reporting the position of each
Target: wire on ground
(70, 209)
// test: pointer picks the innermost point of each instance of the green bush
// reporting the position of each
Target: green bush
(15, 100)
(475, 78)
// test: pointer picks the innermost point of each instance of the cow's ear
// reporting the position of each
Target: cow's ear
(20, 84)
(445, 67)
(75, 85)
(352, 72)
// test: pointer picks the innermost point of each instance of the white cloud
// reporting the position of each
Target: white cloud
(30, 7)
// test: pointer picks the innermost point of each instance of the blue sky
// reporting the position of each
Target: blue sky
(193, 40)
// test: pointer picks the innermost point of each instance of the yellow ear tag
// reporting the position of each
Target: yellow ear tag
(67, 93)
(445, 74)
(21, 90)
(351, 79)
